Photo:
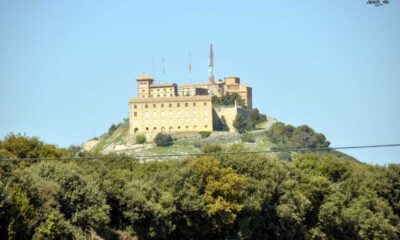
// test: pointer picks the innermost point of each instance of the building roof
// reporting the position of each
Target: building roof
(194, 84)
(143, 76)
(163, 85)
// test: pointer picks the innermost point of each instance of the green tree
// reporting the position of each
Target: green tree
(248, 137)
(240, 124)
(223, 190)
(162, 139)
(20, 146)
(140, 139)
(224, 125)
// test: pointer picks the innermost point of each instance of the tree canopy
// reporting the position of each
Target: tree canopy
(237, 196)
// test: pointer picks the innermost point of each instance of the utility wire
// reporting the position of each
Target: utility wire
(208, 154)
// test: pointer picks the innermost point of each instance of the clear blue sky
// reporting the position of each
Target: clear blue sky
(68, 68)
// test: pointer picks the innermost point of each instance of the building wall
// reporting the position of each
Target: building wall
(162, 90)
(232, 85)
(176, 114)
(229, 113)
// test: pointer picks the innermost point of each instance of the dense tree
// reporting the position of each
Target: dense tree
(20, 146)
(237, 196)
(163, 139)
(228, 99)
(300, 137)
(240, 124)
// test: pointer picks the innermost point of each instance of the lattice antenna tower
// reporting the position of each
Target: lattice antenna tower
(211, 71)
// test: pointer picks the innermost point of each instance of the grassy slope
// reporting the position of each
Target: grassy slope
(181, 145)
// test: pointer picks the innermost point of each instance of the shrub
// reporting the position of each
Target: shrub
(224, 124)
(240, 124)
(204, 134)
(163, 139)
(112, 129)
(211, 148)
(140, 139)
(248, 137)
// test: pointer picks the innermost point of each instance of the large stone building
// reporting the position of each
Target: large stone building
(172, 108)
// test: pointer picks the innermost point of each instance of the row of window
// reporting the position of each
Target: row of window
(164, 89)
(171, 121)
(170, 113)
(169, 105)
(171, 128)
(163, 95)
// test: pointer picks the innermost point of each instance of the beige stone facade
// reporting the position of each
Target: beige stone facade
(169, 108)
(232, 85)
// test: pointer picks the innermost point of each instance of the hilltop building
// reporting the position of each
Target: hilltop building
(168, 107)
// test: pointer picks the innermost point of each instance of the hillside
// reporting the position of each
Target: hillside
(118, 141)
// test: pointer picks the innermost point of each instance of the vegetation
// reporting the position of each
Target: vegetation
(243, 124)
(248, 137)
(240, 124)
(299, 137)
(224, 125)
(211, 148)
(140, 139)
(238, 196)
(204, 134)
(163, 140)
(228, 100)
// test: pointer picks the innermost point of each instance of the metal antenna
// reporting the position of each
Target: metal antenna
(211, 71)
(190, 68)
(152, 66)
(163, 68)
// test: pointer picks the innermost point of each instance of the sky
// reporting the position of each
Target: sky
(68, 68)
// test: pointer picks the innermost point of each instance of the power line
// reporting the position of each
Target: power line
(208, 154)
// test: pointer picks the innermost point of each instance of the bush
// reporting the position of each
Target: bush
(248, 137)
(225, 126)
(240, 124)
(163, 139)
(204, 134)
(140, 139)
(211, 148)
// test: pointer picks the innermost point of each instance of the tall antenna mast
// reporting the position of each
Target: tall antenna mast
(163, 68)
(211, 71)
(190, 68)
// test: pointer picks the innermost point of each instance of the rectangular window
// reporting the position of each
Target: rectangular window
(186, 104)
(134, 106)
(194, 104)
(178, 104)
(135, 114)
(145, 106)
(205, 103)
(162, 105)
(154, 106)
(170, 105)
